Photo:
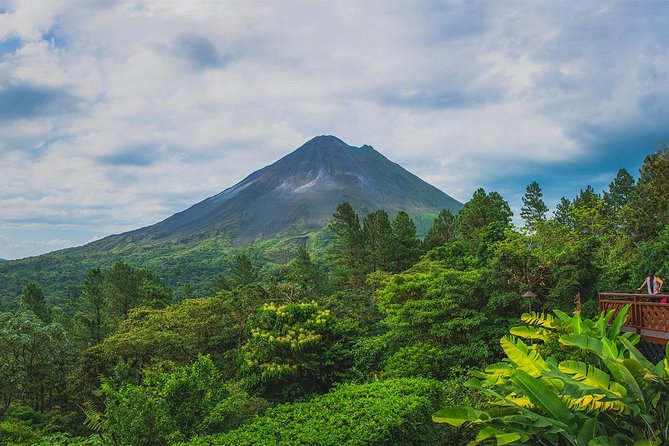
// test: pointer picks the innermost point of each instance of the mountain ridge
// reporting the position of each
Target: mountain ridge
(298, 193)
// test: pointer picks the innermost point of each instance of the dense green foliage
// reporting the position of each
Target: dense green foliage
(340, 337)
(379, 413)
(174, 404)
(602, 392)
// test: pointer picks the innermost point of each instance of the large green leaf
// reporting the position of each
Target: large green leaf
(636, 354)
(587, 432)
(544, 397)
(610, 348)
(497, 373)
(500, 436)
(618, 322)
(526, 359)
(601, 324)
(603, 440)
(530, 332)
(583, 342)
(457, 416)
(576, 324)
(564, 317)
(589, 375)
(624, 372)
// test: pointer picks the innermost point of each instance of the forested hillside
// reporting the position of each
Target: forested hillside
(358, 340)
(269, 214)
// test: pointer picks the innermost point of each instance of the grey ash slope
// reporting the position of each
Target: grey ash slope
(299, 193)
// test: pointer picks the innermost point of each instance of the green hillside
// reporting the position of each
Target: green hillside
(267, 215)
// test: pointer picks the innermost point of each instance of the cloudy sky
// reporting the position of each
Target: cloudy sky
(115, 114)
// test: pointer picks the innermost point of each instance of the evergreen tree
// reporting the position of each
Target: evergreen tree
(619, 193)
(243, 271)
(32, 299)
(92, 311)
(648, 213)
(187, 291)
(123, 284)
(442, 230)
(304, 274)
(534, 209)
(587, 213)
(478, 213)
(220, 283)
(348, 252)
(376, 232)
(129, 287)
(404, 245)
(562, 215)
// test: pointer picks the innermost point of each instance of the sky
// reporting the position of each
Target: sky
(115, 114)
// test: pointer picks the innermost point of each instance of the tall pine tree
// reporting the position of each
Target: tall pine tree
(376, 233)
(442, 230)
(534, 209)
(404, 244)
(92, 315)
(348, 252)
(648, 213)
(32, 299)
(243, 271)
(305, 275)
(475, 216)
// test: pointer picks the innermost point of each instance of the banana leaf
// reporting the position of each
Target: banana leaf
(544, 397)
(525, 359)
(530, 332)
(587, 432)
(618, 322)
(457, 416)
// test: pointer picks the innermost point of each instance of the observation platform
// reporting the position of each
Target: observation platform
(647, 317)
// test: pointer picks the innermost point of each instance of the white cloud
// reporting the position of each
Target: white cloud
(142, 108)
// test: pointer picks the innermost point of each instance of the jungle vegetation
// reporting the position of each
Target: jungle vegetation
(360, 337)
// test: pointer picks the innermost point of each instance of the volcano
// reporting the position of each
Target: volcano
(300, 192)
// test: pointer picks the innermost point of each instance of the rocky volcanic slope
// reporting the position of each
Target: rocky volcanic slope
(299, 193)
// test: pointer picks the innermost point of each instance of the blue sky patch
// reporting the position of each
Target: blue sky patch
(10, 45)
(55, 38)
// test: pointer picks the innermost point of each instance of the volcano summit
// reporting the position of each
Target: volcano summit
(300, 192)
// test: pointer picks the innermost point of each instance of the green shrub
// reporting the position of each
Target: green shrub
(418, 360)
(174, 404)
(63, 439)
(15, 432)
(380, 413)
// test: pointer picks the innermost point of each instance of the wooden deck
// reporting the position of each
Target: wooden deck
(648, 318)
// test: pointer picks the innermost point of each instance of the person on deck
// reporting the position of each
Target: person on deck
(653, 284)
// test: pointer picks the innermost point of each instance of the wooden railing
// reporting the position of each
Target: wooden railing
(648, 316)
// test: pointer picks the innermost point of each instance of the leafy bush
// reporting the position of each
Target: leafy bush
(380, 413)
(614, 396)
(421, 359)
(173, 405)
(16, 432)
